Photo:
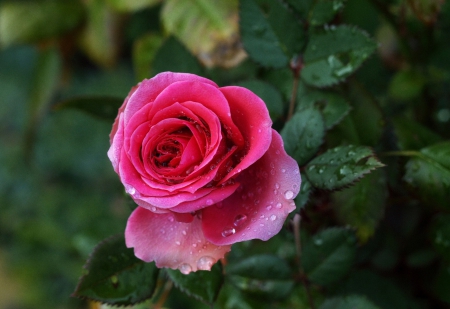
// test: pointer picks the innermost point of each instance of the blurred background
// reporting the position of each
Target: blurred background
(59, 195)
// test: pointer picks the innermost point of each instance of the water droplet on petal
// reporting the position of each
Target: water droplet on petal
(194, 245)
(278, 205)
(171, 219)
(239, 220)
(183, 232)
(288, 194)
(273, 218)
(283, 170)
(205, 263)
(185, 268)
(153, 209)
(209, 202)
(228, 232)
(131, 190)
(269, 207)
(277, 185)
(177, 243)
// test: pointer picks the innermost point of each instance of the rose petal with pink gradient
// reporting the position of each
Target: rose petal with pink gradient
(260, 206)
(172, 244)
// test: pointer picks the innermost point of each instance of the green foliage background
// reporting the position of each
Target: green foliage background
(369, 80)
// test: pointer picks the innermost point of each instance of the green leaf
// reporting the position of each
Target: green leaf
(353, 301)
(131, 5)
(441, 283)
(429, 174)
(268, 93)
(258, 36)
(333, 55)
(407, 85)
(364, 124)
(303, 134)
(144, 51)
(203, 26)
(440, 235)
(303, 195)
(115, 276)
(101, 107)
(323, 11)
(45, 82)
(44, 19)
(99, 38)
(412, 135)
(173, 56)
(334, 106)
(203, 285)
(265, 276)
(362, 205)
(341, 166)
(329, 255)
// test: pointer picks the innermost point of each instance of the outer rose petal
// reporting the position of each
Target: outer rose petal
(160, 238)
(260, 206)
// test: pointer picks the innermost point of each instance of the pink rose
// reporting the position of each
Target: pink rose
(204, 166)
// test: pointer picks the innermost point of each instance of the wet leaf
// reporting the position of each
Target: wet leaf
(115, 276)
(341, 166)
(352, 301)
(329, 255)
(203, 285)
(323, 11)
(335, 54)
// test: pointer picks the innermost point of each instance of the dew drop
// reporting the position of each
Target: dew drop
(239, 220)
(205, 262)
(228, 232)
(185, 268)
(278, 205)
(273, 218)
(283, 170)
(275, 192)
(131, 190)
(269, 207)
(296, 172)
(194, 245)
(288, 194)
(184, 233)
(209, 202)
(277, 185)
(170, 219)
(262, 224)
(153, 209)
(177, 243)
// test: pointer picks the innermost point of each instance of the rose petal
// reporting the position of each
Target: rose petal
(250, 114)
(172, 244)
(260, 206)
(149, 89)
(116, 143)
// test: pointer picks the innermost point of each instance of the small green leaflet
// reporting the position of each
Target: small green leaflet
(203, 285)
(331, 56)
(341, 166)
(115, 276)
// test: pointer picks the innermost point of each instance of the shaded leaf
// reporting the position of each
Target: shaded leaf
(333, 55)
(429, 174)
(45, 82)
(115, 276)
(323, 11)
(441, 283)
(412, 135)
(265, 276)
(102, 107)
(406, 85)
(341, 166)
(303, 195)
(203, 285)
(362, 205)
(329, 255)
(352, 301)
(268, 94)
(144, 51)
(258, 36)
(173, 56)
(303, 134)
(31, 21)
(440, 235)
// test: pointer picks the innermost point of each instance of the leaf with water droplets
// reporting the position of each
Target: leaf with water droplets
(330, 57)
(265, 276)
(362, 205)
(429, 174)
(303, 134)
(329, 255)
(202, 285)
(341, 166)
(269, 40)
(115, 276)
(352, 301)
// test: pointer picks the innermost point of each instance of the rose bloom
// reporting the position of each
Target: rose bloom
(204, 166)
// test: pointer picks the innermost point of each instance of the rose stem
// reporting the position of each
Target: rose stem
(296, 66)
(298, 246)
